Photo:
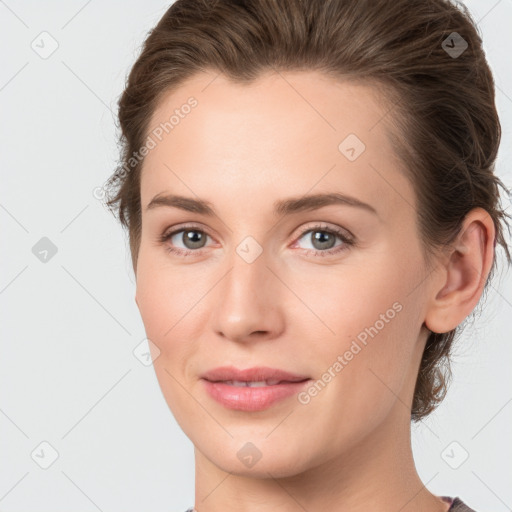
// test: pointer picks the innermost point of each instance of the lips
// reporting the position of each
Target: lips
(252, 389)
(261, 375)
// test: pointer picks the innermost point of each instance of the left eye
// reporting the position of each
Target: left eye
(324, 240)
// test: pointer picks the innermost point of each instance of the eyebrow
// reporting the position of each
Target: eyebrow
(281, 207)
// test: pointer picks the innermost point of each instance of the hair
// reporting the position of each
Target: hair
(442, 105)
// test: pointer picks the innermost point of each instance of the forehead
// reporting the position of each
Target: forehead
(285, 132)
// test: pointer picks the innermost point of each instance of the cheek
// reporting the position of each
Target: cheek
(362, 367)
(166, 305)
(174, 304)
(165, 293)
(163, 301)
(369, 325)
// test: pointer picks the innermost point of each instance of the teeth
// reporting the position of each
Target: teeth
(256, 384)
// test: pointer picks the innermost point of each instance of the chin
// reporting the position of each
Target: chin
(255, 456)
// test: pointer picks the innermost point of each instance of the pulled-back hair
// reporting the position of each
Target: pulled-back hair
(439, 95)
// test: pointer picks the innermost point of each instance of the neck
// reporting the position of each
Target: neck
(377, 474)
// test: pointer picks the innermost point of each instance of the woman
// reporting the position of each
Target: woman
(309, 193)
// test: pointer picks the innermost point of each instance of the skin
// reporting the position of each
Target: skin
(242, 148)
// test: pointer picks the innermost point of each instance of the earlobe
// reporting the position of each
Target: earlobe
(464, 273)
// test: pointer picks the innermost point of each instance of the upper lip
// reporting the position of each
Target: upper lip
(255, 374)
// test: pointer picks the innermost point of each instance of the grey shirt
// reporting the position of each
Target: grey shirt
(459, 506)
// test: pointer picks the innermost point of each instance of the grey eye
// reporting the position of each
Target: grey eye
(190, 238)
(320, 239)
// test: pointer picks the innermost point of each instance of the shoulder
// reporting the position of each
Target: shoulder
(458, 506)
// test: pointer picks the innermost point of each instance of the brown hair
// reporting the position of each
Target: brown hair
(442, 104)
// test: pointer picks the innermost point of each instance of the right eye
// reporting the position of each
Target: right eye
(192, 238)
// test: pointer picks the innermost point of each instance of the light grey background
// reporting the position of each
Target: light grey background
(68, 375)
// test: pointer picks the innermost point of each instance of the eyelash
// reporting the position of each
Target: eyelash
(347, 242)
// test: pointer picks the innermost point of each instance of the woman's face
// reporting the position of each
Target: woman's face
(327, 290)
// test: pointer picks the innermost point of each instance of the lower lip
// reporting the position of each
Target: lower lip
(243, 398)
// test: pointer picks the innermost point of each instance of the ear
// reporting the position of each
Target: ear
(461, 278)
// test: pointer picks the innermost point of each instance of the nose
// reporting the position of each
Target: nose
(248, 303)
